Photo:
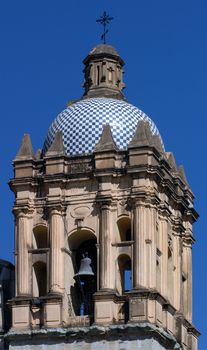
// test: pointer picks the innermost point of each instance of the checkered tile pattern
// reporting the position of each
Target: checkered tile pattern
(82, 124)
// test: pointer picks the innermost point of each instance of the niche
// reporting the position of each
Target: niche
(125, 274)
(39, 279)
(40, 237)
(124, 226)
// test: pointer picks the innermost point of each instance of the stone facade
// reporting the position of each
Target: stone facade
(131, 212)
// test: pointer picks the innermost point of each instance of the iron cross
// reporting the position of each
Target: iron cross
(104, 20)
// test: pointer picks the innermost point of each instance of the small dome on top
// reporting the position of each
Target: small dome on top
(104, 48)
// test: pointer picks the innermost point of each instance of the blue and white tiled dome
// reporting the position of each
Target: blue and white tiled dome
(82, 122)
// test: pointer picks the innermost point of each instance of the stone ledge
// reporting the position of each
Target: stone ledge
(127, 331)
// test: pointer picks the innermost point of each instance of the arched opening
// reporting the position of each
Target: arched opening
(82, 243)
(39, 279)
(98, 76)
(86, 262)
(124, 282)
(124, 226)
(40, 237)
(110, 74)
(76, 238)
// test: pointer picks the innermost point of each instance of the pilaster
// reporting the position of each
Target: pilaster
(105, 246)
(150, 241)
(139, 230)
(164, 251)
(177, 273)
(24, 243)
(187, 278)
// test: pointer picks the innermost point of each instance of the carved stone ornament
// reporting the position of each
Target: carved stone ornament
(80, 212)
(81, 167)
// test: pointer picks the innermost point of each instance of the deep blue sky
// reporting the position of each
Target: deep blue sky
(164, 45)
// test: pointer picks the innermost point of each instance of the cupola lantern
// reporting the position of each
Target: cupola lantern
(103, 73)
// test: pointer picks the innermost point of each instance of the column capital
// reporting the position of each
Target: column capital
(149, 200)
(164, 211)
(105, 202)
(188, 241)
(24, 212)
(136, 202)
(177, 227)
(56, 209)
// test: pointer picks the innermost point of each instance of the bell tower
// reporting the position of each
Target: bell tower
(103, 228)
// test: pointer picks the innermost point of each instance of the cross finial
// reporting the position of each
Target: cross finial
(104, 20)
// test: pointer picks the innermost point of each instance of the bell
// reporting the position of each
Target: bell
(85, 267)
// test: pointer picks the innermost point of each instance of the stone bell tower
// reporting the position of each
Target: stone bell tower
(103, 228)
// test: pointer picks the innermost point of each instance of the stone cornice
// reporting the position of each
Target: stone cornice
(24, 300)
(190, 327)
(122, 331)
(191, 215)
(85, 164)
(148, 294)
(122, 244)
(83, 168)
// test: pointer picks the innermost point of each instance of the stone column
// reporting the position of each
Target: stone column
(105, 247)
(24, 242)
(187, 269)
(164, 257)
(56, 253)
(177, 272)
(150, 243)
(139, 230)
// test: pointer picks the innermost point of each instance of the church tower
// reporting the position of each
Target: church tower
(103, 228)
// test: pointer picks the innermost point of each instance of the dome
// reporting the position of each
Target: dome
(82, 123)
(104, 49)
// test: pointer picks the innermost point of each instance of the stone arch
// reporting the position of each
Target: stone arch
(124, 227)
(81, 243)
(76, 237)
(40, 236)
